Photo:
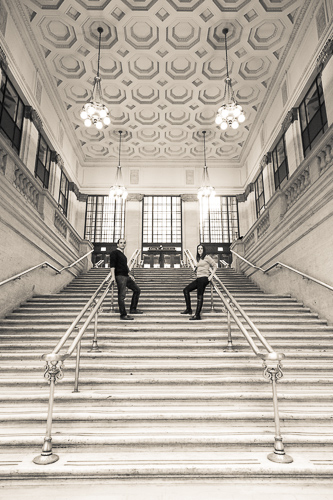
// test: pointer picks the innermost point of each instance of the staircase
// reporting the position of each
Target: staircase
(164, 398)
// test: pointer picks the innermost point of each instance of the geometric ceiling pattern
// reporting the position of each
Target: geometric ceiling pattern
(162, 67)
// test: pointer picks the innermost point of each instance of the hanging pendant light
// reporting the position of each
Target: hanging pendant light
(118, 191)
(94, 111)
(206, 190)
(230, 114)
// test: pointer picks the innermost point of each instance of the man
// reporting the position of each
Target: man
(120, 273)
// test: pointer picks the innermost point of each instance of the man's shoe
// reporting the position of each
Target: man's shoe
(195, 317)
(126, 318)
(136, 311)
(187, 311)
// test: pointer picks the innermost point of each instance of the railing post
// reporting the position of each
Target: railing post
(212, 309)
(77, 367)
(229, 346)
(95, 347)
(53, 372)
(273, 372)
(112, 298)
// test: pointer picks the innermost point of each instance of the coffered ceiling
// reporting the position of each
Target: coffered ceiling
(163, 68)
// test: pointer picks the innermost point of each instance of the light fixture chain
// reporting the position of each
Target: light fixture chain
(226, 51)
(120, 132)
(100, 31)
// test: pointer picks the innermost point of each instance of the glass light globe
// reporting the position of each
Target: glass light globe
(107, 120)
(218, 120)
(99, 125)
(224, 126)
(235, 124)
(237, 111)
(224, 112)
(87, 122)
(83, 114)
(241, 118)
(91, 110)
(102, 113)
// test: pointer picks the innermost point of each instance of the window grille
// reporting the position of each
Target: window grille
(43, 162)
(105, 219)
(259, 194)
(11, 111)
(280, 164)
(63, 194)
(218, 219)
(313, 116)
(162, 220)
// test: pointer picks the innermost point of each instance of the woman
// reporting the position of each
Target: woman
(205, 270)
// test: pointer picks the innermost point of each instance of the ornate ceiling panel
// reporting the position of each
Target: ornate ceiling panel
(162, 67)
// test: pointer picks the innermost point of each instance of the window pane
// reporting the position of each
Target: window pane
(10, 101)
(11, 111)
(161, 219)
(313, 115)
(218, 219)
(105, 219)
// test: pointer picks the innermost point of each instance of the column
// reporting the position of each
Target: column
(133, 223)
(190, 222)
(32, 126)
(325, 62)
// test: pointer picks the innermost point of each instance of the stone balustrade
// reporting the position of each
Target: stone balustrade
(38, 198)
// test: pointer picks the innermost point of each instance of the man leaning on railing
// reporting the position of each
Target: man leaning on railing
(121, 274)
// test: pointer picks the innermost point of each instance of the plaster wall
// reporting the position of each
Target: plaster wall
(161, 179)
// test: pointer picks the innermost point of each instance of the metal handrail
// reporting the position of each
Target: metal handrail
(271, 359)
(227, 305)
(280, 264)
(46, 264)
(54, 360)
(99, 263)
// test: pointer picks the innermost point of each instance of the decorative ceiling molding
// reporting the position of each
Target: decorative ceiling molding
(162, 67)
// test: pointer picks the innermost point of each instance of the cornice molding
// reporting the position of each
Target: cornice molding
(291, 116)
(32, 115)
(265, 160)
(17, 11)
(3, 59)
(56, 158)
(325, 54)
(275, 86)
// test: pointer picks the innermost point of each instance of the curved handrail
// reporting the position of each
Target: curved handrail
(68, 332)
(46, 264)
(133, 258)
(229, 307)
(79, 335)
(280, 264)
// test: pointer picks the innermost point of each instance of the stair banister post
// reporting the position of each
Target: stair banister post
(95, 347)
(77, 367)
(112, 298)
(230, 346)
(212, 310)
(273, 372)
(53, 373)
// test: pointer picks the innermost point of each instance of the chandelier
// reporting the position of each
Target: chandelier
(230, 114)
(118, 191)
(94, 111)
(206, 190)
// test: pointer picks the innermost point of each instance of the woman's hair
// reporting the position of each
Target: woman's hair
(204, 253)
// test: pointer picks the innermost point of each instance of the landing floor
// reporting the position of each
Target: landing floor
(186, 475)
